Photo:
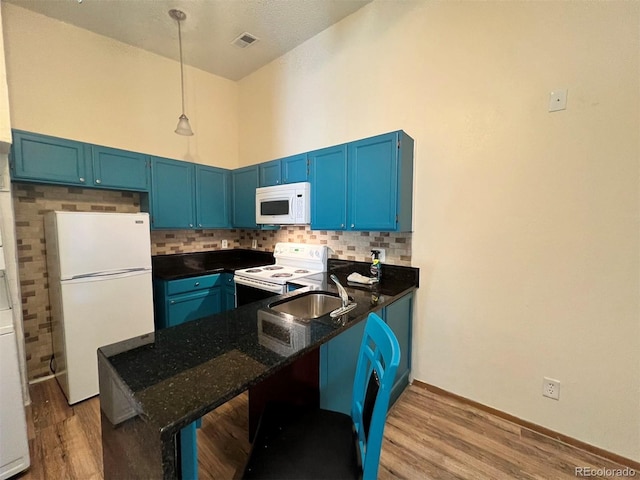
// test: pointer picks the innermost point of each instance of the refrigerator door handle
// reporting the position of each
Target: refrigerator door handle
(111, 273)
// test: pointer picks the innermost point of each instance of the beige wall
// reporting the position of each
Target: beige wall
(526, 222)
(69, 82)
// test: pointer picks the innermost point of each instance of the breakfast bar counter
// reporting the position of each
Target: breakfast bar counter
(154, 385)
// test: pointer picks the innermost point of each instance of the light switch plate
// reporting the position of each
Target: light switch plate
(558, 100)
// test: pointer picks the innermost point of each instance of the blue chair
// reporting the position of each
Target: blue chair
(301, 444)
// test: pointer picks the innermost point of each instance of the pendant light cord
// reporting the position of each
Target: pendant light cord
(181, 68)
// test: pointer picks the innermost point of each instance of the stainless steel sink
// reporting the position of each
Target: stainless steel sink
(308, 305)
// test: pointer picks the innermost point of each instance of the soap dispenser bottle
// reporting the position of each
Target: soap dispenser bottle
(376, 266)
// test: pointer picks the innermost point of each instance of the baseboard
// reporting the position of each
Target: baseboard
(41, 379)
(614, 457)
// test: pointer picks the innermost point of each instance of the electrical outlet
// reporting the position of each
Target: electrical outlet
(381, 255)
(551, 388)
(225, 244)
(254, 243)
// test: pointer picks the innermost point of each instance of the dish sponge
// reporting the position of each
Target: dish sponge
(357, 278)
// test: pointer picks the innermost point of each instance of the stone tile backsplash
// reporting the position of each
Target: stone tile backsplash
(32, 201)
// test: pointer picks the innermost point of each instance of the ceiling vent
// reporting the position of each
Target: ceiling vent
(244, 40)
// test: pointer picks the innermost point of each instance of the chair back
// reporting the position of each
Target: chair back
(375, 373)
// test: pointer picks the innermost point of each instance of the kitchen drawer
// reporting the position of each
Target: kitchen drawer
(192, 284)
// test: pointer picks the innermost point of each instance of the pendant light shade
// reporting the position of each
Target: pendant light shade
(183, 127)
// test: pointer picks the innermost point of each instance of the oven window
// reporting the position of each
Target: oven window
(274, 207)
(246, 295)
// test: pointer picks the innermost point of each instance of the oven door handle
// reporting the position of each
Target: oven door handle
(270, 287)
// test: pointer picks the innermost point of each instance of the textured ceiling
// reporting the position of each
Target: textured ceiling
(209, 29)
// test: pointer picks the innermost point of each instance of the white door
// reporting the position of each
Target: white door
(101, 242)
(96, 312)
(14, 449)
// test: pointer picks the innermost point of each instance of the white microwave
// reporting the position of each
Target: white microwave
(287, 204)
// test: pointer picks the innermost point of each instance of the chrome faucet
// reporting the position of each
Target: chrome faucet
(343, 293)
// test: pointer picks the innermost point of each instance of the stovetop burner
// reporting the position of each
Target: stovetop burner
(292, 261)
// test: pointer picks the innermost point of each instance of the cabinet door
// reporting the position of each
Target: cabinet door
(191, 306)
(270, 173)
(229, 298)
(245, 182)
(295, 169)
(338, 361)
(373, 183)
(212, 197)
(329, 188)
(49, 159)
(172, 194)
(120, 169)
(229, 292)
(398, 316)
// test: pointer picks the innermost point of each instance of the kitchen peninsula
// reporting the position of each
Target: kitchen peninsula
(154, 385)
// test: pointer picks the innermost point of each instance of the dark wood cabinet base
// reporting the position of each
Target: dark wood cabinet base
(297, 384)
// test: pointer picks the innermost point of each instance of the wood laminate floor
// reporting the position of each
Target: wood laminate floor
(427, 436)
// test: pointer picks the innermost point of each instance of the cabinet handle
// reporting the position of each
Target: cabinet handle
(197, 284)
(81, 179)
(191, 225)
(172, 302)
(200, 225)
(98, 181)
(352, 225)
(342, 225)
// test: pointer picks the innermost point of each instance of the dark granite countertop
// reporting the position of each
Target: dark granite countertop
(183, 265)
(173, 376)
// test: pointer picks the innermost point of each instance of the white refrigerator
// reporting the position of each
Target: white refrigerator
(100, 290)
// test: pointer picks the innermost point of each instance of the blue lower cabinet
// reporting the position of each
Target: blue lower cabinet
(191, 306)
(398, 317)
(188, 441)
(180, 301)
(339, 357)
(229, 292)
(338, 360)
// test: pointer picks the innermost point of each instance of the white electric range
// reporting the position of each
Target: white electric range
(293, 261)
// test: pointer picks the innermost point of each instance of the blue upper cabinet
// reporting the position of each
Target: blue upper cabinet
(40, 158)
(291, 169)
(189, 196)
(172, 197)
(119, 169)
(270, 173)
(44, 159)
(212, 197)
(373, 183)
(328, 188)
(366, 186)
(244, 183)
(295, 168)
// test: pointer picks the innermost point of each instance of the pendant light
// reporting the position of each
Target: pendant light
(183, 127)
